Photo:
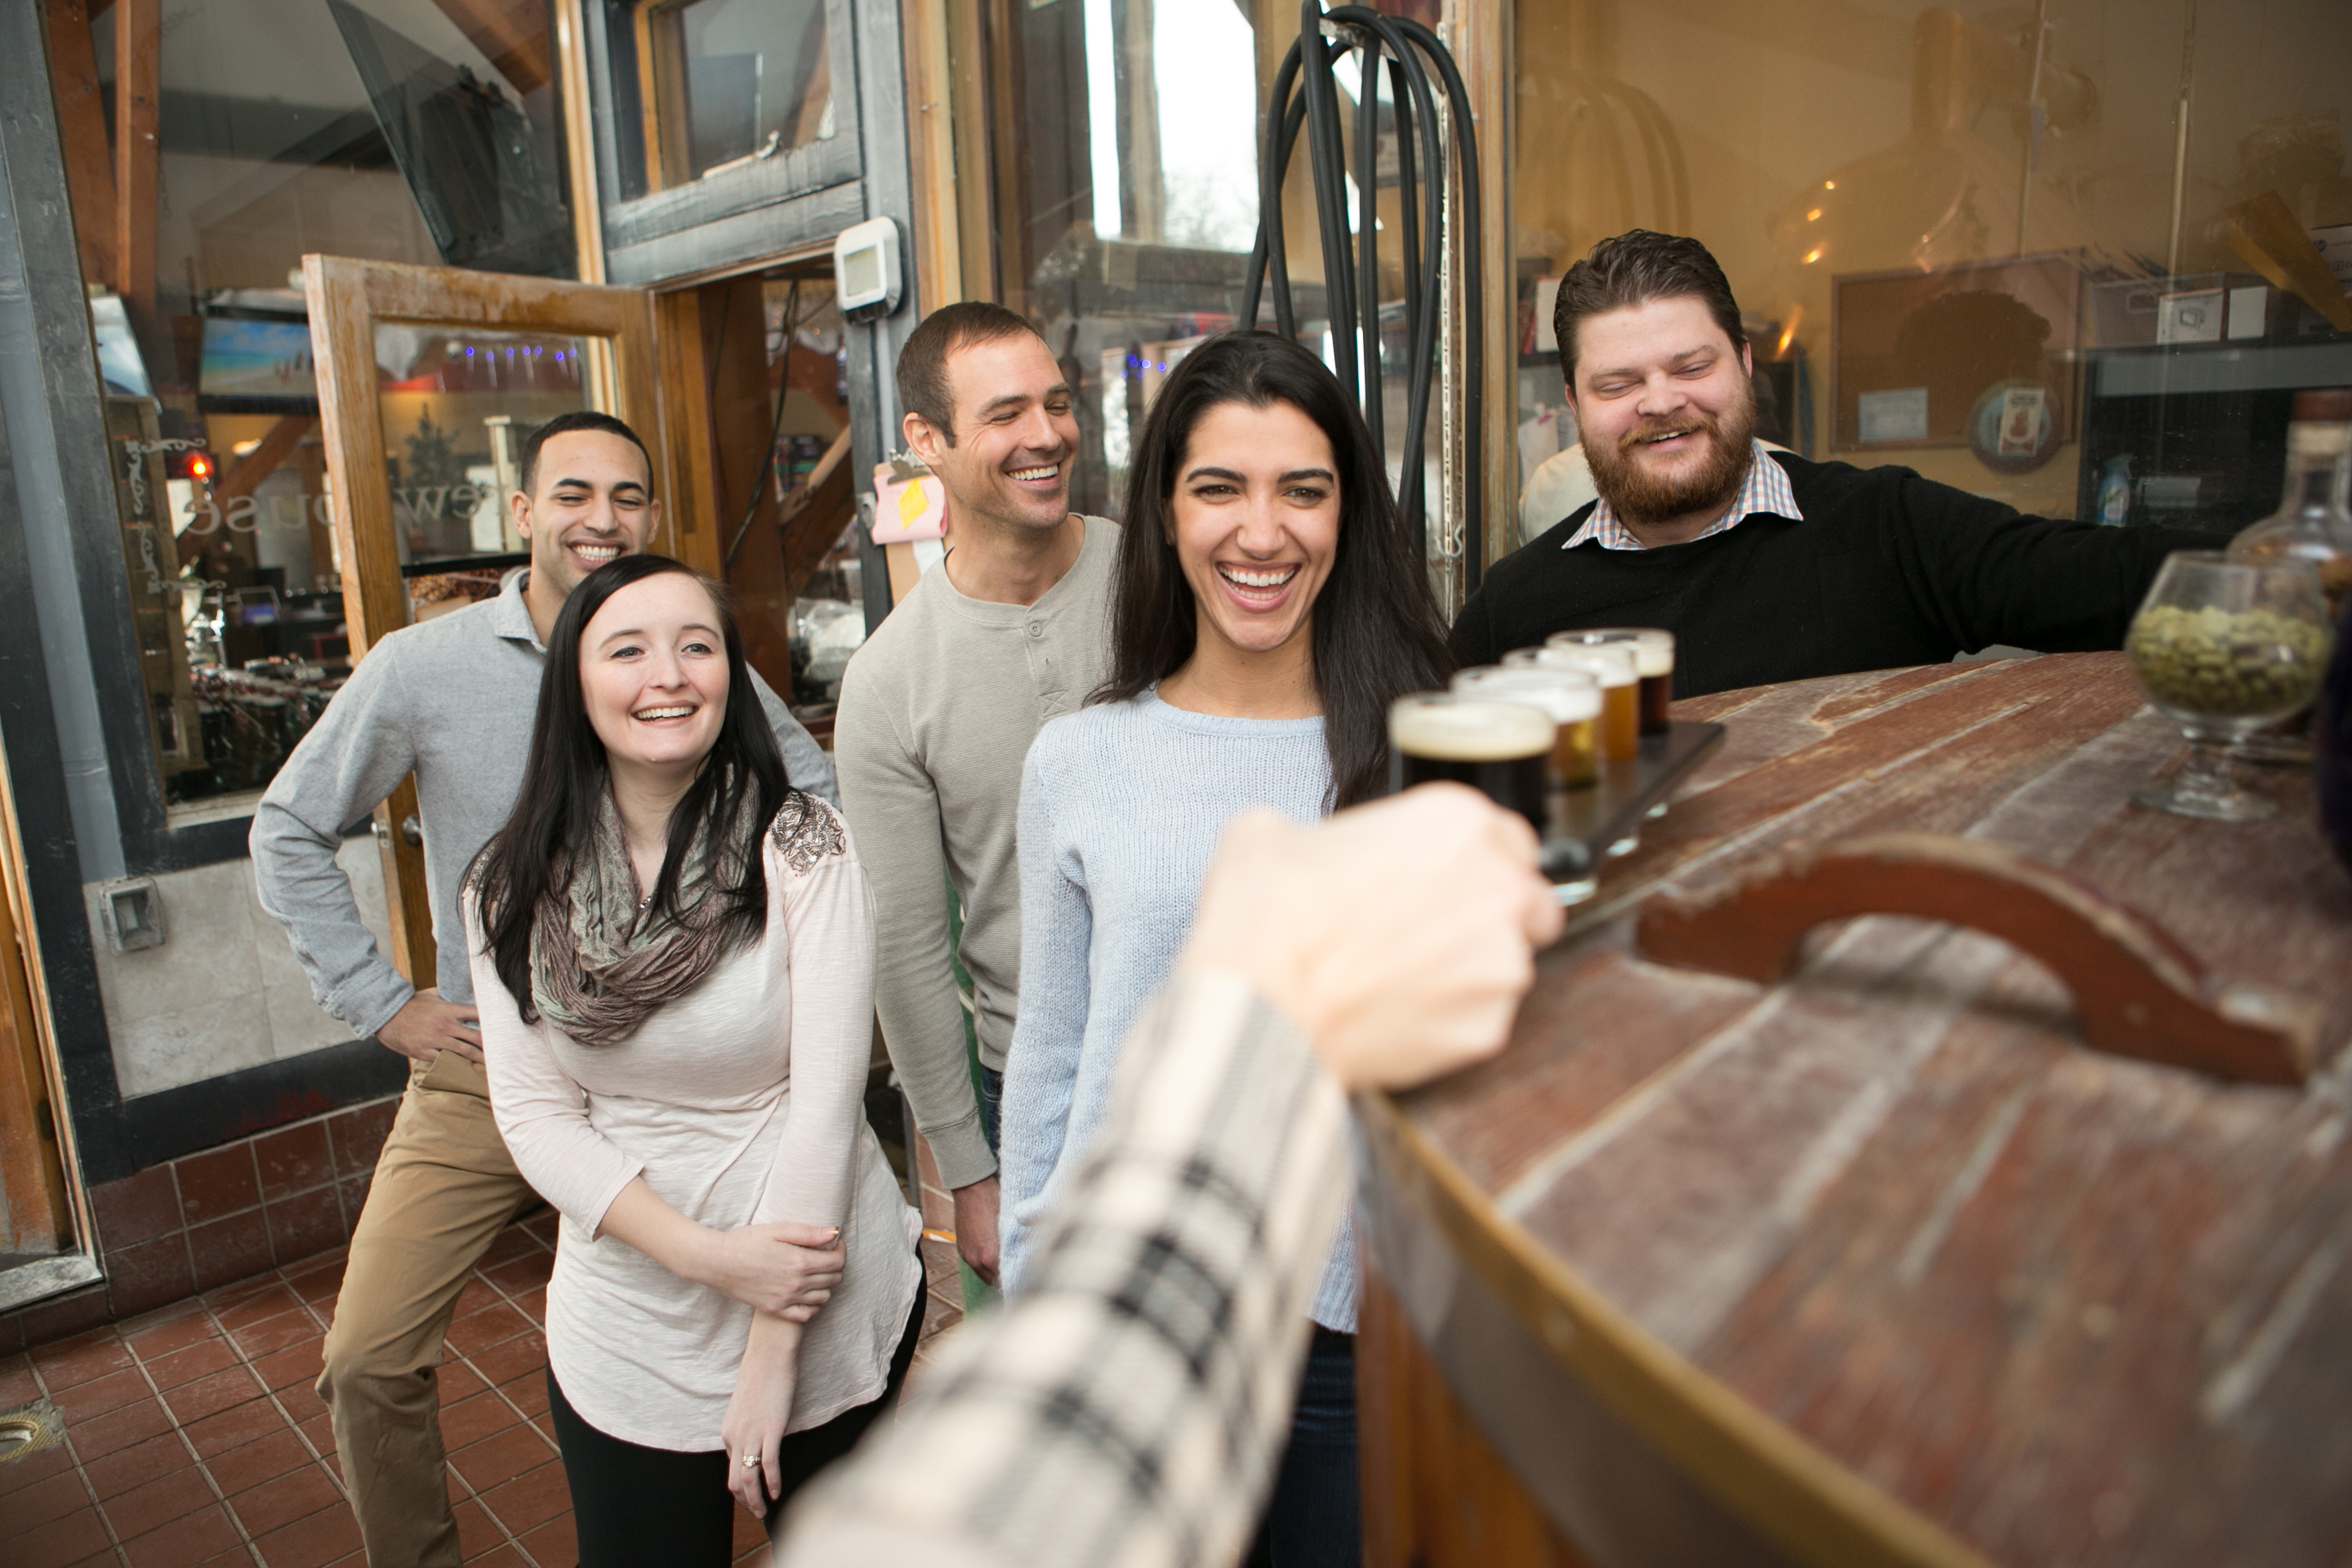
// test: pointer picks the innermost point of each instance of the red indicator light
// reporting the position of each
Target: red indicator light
(199, 469)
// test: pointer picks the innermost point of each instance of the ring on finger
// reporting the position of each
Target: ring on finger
(751, 1460)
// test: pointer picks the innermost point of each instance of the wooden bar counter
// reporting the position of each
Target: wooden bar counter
(1884, 1262)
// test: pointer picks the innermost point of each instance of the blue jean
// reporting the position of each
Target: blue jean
(1313, 1520)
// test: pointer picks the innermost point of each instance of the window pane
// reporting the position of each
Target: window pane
(1126, 195)
(392, 130)
(726, 80)
(807, 342)
(1969, 239)
(457, 405)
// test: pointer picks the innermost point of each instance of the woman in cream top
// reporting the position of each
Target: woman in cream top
(686, 1088)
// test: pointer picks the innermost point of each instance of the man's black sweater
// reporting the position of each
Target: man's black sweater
(1886, 568)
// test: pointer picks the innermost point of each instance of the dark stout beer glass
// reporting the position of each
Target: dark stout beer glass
(1502, 749)
(1653, 664)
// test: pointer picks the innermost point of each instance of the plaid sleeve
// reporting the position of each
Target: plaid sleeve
(1127, 1411)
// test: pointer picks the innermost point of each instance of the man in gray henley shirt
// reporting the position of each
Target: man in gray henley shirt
(453, 700)
(940, 706)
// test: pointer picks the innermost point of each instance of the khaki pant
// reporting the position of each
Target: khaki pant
(443, 1188)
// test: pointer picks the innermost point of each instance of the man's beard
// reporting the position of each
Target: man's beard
(1642, 499)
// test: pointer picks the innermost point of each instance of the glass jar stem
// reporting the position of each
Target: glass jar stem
(2206, 775)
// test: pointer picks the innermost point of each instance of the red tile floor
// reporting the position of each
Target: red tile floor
(193, 1434)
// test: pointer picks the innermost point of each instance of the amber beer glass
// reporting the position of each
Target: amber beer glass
(1653, 664)
(1613, 665)
(1502, 749)
(1572, 698)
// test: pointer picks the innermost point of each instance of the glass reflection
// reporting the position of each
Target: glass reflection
(1126, 182)
(726, 82)
(385, 129)
(457, 405)
(2043, 253)
(490, 188)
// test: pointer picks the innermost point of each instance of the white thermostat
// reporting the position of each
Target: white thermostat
(865, 270)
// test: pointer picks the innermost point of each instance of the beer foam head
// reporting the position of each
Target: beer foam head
(1449, 728)
(1611, 663)
(1569, 696)
(1653, 648)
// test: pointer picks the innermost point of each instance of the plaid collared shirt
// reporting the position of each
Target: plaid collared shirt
(1766, 489)
(1127, 1409)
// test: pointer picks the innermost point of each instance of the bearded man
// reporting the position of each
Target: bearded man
(1766, 566)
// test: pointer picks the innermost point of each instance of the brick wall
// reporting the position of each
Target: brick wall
(205, 1219)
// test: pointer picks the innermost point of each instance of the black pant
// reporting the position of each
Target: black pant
(634, 1505)
(1312, 1520)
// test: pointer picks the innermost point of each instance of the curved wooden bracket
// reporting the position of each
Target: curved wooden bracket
(2138, 992)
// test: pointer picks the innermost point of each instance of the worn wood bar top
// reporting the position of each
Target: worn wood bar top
(2066, 1307)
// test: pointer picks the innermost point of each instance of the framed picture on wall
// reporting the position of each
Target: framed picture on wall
(1922, 359)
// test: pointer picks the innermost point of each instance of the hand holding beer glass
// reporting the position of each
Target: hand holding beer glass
(1502, 749)
(1506, 750)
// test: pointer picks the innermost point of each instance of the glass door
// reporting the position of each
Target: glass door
(429, 379)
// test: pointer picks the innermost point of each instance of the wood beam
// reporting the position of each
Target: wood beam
(1009, 181)
(690, 502)
(579, 139)
(277, 445)
(814, 514)
(931, 151)
(138, 63)
(32, 1173)
(975, 189)
(31, 1061)
(414, 951)
(778, 558)
(81, 131)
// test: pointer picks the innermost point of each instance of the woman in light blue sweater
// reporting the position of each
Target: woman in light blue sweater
(1268, 607)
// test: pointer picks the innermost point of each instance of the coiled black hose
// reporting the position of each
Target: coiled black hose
(1306, 95)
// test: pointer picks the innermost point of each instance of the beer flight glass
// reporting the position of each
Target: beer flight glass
(1653, 664)
(1611, 665)
(1572, 698)
(1541, 721)
(1502, 749)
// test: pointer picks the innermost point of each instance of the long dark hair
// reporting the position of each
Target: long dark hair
(565, 783)
(1377, 634)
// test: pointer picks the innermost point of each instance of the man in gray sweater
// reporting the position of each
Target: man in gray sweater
(940, 706)
(453, 700)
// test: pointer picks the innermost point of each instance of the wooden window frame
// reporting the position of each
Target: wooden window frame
(348, 298)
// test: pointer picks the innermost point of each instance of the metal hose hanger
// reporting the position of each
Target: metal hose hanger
(1306, 93)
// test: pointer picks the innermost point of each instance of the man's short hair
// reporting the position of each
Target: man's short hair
(583, 419)
(1633, 268)
(923, 363)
